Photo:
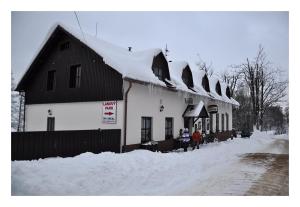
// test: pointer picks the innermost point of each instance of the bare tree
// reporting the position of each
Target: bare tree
(266, 88)
(232, 78)
(202, 65)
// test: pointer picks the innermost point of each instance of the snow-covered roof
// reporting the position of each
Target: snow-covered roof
(225, 98)
(196, 111)
(213, 80)
(138, 65)
(135, 65)
(176, 68)
(197, 79)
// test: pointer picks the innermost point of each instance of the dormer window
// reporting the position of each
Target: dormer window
(187, 78)
(160, 67)
(218, 88)
(228, 94)
(205, 83)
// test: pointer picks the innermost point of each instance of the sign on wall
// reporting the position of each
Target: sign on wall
(212, 109)
(109, 112)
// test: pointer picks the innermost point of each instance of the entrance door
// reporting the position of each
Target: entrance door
(204, 125)
(188, 123)
(50, 123)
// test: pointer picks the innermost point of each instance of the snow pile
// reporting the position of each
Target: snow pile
(140, 172)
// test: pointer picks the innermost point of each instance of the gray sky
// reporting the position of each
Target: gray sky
(222, 38)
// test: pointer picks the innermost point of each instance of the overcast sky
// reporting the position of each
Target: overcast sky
(220, 38)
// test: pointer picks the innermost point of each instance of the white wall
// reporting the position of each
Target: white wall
(70, 116)
(142, 101)
(146, 100)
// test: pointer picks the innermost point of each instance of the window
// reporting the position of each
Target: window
(222, 122)
(64, 46)
(218, 88)
(146, 129)
(158, 72)
(227, 122)
(51, 80)
(228, 94)
(185, 80)
(199, 126)
(187, 77)
(205, 83)
(217, 122)
(50, 123)
(75, 76)
(169, 128)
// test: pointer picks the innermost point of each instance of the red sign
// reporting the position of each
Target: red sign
(109, 112)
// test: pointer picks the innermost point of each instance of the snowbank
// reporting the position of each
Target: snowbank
(137, 173)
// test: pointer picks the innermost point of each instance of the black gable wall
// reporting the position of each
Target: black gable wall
(99, 81)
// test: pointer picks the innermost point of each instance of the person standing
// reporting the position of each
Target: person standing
(196, 138)
(185, 139)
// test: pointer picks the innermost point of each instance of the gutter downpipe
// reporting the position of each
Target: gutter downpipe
(125, 115)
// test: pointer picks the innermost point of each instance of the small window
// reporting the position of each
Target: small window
(205, 83)
(199, 126)
(228, 94)
(158, 72)
(65, 46)
(75, 76)
(227, 121)
(218, 88)
(169, 128)
(222, 122)
(51, 80)
(187, 78)
(217, 122)
(146, 129)
(50, 123)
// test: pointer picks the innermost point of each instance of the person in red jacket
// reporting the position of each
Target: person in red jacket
(196, 138)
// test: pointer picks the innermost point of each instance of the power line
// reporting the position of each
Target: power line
(79, 25)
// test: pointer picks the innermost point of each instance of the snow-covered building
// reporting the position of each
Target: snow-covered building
(79, 82)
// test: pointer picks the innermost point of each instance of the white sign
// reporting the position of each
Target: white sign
(109, 112)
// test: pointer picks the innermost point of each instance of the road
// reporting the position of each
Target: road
(255, 174)
(275, 181)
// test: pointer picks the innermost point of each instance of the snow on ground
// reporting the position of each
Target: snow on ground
(207, 171)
